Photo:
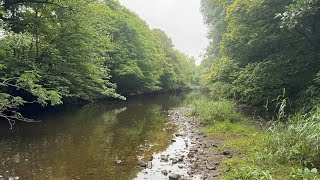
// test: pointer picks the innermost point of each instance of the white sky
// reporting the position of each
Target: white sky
(180, 19)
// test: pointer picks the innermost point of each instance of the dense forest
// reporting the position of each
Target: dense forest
(259, 48)
(262, 70)
(53, 51)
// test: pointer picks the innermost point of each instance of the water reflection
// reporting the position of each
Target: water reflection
(97, 141)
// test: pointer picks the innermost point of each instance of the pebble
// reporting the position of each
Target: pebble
(174, 177)
(226, 152)
(211, 167)
(141, 163)
(194, 166)
(164, 172)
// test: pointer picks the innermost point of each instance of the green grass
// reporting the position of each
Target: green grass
(288, 150)
(210, 112)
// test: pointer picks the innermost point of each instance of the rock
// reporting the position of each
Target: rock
(226, 152)
(174, 161)
(190, 155)
(174, 177)
(214, 145)
(119, 161)
(141, 163)
(201, 152)
(180, 166)
(190, 172)
(164, 158)
(149, 165)
(173, 140)
(194, 149)
(211, 167)
(178, 135)
(180, 158)
(151, 158)
(164, 172)
(194, 166)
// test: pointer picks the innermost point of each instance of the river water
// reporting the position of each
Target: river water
(95, 141)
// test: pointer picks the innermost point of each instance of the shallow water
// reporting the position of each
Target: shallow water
(96, 141)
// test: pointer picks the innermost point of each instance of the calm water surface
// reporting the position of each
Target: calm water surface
(96, 141)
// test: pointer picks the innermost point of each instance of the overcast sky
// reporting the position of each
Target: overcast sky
(180, 19)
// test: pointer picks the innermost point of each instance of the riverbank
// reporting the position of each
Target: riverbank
(215, 140)
(267, 149)
(191, 154)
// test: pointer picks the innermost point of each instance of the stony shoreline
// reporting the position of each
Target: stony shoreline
(191, 156)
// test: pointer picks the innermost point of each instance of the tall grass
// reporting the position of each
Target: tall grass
(210, 112)
(296, 141)
(287, 149)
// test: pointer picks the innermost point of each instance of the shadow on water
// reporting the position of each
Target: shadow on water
(96, 141)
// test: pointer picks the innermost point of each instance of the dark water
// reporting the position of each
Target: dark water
(85, 142)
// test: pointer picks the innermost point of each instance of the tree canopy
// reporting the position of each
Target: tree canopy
(52, 51)
(258, 48)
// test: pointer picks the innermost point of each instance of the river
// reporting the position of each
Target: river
(96, 141)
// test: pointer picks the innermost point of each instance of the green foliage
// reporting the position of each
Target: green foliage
(304, 174)
(210, 112)
(296, 141)
(261, 47)
(10, 104)
(86, 50)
